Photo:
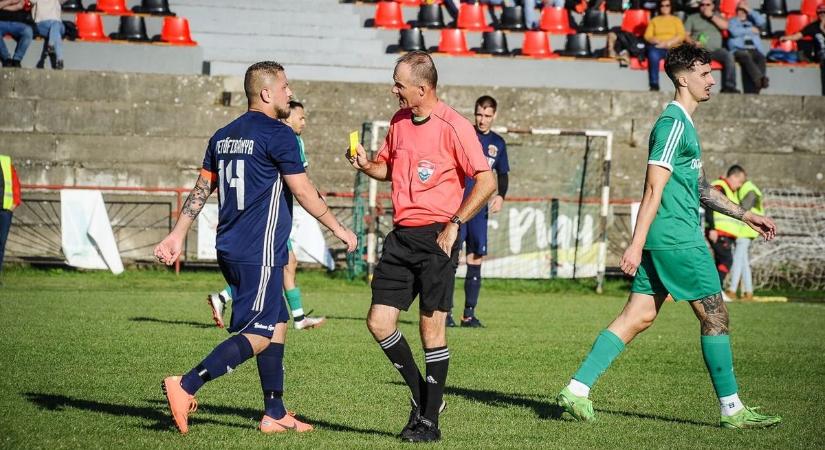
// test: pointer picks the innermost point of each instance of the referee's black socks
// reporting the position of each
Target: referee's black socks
(438, 361)
(400, 355)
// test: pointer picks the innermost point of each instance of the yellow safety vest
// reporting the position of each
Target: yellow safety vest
(758, 208)
(722, 222)
(8, 188)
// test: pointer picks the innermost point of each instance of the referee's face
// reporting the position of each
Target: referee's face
(404, 87)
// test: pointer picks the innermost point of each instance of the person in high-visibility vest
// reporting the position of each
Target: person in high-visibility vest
(750, 199)
(10, 195)
(721, 229)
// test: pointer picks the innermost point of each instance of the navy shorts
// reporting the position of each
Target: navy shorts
(412, 264)
(257, 297)
(474, 234)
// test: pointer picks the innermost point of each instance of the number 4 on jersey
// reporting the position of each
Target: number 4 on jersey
(225, 175)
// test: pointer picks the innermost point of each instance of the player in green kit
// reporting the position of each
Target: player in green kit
(668, 254)
(301, 321)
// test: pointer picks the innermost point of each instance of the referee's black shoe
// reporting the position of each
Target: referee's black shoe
(424, 431)
(415, 416)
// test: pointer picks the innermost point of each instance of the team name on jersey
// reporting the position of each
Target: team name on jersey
(234, 146)
(696, 164)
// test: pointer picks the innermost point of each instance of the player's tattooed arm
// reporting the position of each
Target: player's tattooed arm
(197, 197)
(714, 199)
(712, 314)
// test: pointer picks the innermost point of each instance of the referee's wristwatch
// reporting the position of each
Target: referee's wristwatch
(456, 220)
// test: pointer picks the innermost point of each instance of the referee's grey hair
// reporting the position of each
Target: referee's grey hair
(253, 74)
(422, 67)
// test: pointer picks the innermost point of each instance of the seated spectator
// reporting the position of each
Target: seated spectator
(704, 28)
(746, 45)
(15, 21)
(663, 32)
(815, 30)
(50, 26)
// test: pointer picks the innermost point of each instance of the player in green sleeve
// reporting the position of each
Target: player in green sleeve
(668, 254)
(301, 321)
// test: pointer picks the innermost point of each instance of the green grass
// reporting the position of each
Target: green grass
(83, 355)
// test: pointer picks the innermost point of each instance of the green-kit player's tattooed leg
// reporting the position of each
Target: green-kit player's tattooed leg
(713, 315)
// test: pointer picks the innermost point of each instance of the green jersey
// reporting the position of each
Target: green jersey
(301, 148)
(674, 145)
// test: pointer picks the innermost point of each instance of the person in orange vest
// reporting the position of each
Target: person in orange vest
(722, 230)
(10, 195)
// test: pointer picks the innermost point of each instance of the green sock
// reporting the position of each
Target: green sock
(293, 297)
(719, 361)
(227, 292)
(605, 349)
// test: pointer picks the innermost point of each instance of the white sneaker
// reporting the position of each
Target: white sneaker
(725, 297)
(310, 322)
(217, 302)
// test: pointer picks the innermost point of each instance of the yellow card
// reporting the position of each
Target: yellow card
(353, 143)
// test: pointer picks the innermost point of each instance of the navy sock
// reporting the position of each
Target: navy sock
(228, 355)
(271, 372)
(472, 286)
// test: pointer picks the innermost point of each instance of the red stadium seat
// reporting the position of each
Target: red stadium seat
(795, 22)
(555, 21)
(113, 7)
(453, 42)
(715, 65)
(808, 8)
(409, 2)
(635, 21)
(90, 27)
(471, 17)
(788, 46)
(388, 15)
(176, 31)
(537, 45)
(728, 7)
(636, 64)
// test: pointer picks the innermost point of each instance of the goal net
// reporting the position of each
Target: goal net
(796, 258)
(554, 221)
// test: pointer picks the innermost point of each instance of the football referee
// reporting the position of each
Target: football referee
(429, 150)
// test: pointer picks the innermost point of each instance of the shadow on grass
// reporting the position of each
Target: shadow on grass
(173, 322)
(157, 414)
(547, 409)
(364, 319)
(250, 412)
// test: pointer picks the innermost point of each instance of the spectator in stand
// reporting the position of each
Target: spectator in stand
(704, 28)
(16, 21)
(815, 30)
(50, 26)
(10, 198)
(663, 32)
(746, 45)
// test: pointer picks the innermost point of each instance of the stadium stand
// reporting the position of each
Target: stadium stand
(537, 45)
(430, 16)
(111, 7)
(555, 21)
(153, 7)
(471, 17)
(412, 39)
(494, 43)
(132, 28)
(776, 8)
(453, 42)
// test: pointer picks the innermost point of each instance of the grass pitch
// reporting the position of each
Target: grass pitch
(83, 355)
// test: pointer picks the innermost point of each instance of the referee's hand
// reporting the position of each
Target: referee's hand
(446, 238)
(360, 160)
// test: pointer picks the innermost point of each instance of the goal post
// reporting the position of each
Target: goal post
(555, 219)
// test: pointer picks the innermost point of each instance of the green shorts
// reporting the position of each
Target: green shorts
(684, 273)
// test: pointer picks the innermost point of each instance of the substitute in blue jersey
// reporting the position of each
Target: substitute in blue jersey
(255, 165)
(474, 232)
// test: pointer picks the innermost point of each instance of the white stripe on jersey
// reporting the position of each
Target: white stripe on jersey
(672, 141)
(272, 223)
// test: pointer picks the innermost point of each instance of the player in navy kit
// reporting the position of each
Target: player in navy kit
(255, 165)
(474, 232)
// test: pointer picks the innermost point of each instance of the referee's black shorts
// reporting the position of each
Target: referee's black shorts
(413, 264)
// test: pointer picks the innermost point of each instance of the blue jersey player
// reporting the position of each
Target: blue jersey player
(474, 232)
(255, 165)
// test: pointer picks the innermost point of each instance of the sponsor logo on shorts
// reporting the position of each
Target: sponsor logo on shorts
(259, 326)
(425, 170)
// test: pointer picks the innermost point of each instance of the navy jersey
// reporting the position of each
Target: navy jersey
(251, 155)
(495, 150)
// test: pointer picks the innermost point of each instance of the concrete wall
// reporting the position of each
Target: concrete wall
(99, 128)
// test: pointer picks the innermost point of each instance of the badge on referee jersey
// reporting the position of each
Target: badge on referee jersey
(425, 170)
